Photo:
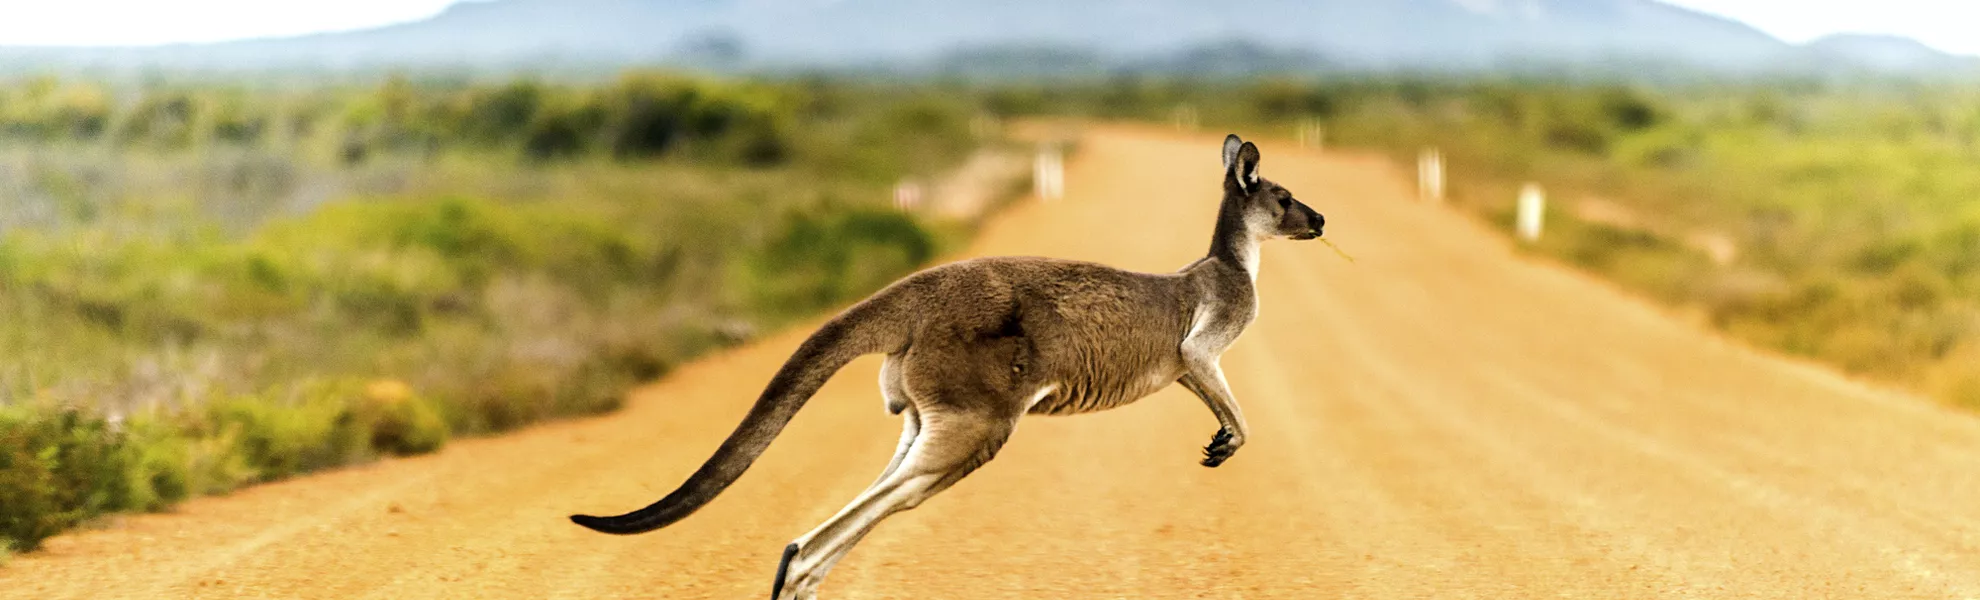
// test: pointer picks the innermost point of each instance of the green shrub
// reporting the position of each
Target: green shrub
(214, 463)
(163, 474)
(60, 469)
(29, 507)
(397, 421)
(281, 437)
(819, 260)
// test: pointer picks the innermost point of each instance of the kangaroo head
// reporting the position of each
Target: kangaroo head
(1269, 209)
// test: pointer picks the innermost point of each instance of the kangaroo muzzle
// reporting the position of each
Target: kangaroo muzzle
(1314, 226)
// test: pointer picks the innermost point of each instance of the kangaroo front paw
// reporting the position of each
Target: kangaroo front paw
(1221, 447)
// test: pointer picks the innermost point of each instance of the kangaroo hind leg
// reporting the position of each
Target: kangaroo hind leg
(910, 430)
(948, 447)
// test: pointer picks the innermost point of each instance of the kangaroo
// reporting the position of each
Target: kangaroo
(974, 345)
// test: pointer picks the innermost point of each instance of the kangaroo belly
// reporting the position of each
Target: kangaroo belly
(1098, 392)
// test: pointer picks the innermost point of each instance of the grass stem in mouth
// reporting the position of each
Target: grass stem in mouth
(1337, 249)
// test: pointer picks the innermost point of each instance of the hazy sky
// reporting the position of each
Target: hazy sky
(142, 22)
(1947, 24)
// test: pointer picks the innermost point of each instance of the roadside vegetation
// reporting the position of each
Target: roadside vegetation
(204, 287)
(1835, 220)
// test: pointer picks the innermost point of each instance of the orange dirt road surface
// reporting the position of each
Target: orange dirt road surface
(1442, 419)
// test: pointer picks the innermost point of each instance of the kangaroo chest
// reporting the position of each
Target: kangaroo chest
(1217, 325)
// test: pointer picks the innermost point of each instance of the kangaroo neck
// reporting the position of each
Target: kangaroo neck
(1233, 244)
(1225, 284)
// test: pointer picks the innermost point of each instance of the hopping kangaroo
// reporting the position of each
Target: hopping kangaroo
(972, 346)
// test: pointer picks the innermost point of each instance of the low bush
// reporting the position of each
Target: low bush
(60, 467)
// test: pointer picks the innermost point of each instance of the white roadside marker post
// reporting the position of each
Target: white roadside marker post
(1532, 210)
(1186, 118)
(1430, 176)
(1311, 134)
(907, 195)
(1048, 173)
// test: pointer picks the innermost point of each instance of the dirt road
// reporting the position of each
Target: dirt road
(1440, 420)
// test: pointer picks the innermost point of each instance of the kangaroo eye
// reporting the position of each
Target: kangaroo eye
(1285, 202)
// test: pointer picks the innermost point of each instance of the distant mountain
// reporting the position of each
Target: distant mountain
(1889, 54)
(1413, 34)
(1100, 35)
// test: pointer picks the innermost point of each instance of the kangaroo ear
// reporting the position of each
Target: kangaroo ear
(1246, 169)
(1231, 145)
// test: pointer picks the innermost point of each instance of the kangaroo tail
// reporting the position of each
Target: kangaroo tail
(866, 328)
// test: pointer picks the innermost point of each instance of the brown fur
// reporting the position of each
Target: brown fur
(973, 346)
